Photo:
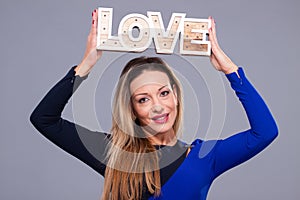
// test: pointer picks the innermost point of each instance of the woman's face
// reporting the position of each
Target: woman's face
(154, 102)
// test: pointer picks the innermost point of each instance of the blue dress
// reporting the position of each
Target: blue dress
(206, 160)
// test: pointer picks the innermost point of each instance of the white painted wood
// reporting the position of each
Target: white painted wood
(165, 41)
(126, 26)
(192, 31)
(105, 41)
(194, 37)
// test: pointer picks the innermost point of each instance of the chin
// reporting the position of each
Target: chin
(159, 128)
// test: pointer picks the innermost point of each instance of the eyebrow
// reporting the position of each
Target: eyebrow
(147, 93)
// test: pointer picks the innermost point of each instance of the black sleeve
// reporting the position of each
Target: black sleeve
(86, 145)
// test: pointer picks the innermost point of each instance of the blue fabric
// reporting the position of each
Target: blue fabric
(208, 159)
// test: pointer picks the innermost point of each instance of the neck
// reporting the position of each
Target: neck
(167, 138)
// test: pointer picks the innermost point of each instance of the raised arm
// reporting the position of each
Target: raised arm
(263, 129)
(91, 55)
(47, 119)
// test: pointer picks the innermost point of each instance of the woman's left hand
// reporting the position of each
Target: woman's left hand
(218, 58)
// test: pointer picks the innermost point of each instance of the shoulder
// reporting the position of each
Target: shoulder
(204, 148)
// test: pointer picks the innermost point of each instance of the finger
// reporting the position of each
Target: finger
(213, 34)
(210, 33)
(212, 41)
(216, 50)
(93, 32)
(93, 29)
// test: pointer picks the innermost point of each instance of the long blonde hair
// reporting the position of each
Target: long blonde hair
(131, 159)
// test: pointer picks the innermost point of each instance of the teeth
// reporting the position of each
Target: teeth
(161, 118)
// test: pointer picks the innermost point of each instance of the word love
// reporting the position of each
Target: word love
(136, 33)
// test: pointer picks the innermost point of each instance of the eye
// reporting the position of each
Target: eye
(164, 93)
(143, 100)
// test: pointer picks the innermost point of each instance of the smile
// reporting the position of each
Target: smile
(161, 119)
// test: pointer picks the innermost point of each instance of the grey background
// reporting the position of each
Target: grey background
(41, 40)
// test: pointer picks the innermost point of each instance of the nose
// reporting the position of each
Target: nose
(157, 107)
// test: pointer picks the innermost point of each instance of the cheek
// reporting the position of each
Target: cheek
(172, 103)
(141, 112)
(174, 109)
(172, 106)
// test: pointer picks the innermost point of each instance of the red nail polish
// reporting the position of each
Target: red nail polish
(93, 22)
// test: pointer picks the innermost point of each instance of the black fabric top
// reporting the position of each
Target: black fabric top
(187, 177)
(86, 145)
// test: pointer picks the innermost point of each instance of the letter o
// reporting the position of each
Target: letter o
(126, 26)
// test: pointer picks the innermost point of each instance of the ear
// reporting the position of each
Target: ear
(133, 116)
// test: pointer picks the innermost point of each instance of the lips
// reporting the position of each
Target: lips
(161, 119)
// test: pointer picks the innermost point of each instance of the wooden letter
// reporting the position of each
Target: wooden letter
(194, 40)
(142, 25)
(105, 41)
(165, 41)
(125, 41)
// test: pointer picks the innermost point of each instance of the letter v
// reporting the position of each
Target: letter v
(165, 41)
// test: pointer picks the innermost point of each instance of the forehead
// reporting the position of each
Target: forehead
(149, 78)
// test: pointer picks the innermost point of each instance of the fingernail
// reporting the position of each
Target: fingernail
(95, 10)
(93, 22)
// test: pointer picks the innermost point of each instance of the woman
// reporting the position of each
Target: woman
(143, 159)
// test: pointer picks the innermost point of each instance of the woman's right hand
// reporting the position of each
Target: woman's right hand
(91, 55)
